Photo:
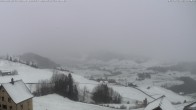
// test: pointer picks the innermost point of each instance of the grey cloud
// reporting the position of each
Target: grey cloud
(154, 28)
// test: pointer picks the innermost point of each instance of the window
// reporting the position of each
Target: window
(2, 98)
(28, 103)
(10, 107)
(2, 90)
(158, 108)
(5, 106)
(21, 106)
(9, 100)
(0, 105)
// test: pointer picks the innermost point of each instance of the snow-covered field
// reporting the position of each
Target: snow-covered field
(129, 72)
(171, 96)
(56, 102)
(33, 75)
(26, 73)
(60, 103)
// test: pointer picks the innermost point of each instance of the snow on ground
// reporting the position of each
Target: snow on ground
(26, 73)
(181, 106)
(158, 91)
(82, 82)
(138, 109)
(163, 103)
(56, 102)
(131, 93)
(33, 75)
(86, 72)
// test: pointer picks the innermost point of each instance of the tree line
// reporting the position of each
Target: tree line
(60, 84)
(104, 94)
(16, 59)
(65, 86)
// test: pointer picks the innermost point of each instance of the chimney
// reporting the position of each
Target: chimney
(12, 81)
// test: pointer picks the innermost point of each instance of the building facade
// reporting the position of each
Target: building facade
(15, 96)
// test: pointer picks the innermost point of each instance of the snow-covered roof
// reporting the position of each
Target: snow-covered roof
(17, 91)
(194, 105)
(4, 71)
(161, 102)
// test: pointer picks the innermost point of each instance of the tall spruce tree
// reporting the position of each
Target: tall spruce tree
(70, 87)
(75, 93)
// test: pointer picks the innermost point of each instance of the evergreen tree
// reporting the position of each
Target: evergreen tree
(84, 93)
(104, 94)
(10, 59)
(70, 86)
(75, 93)
(60, 84)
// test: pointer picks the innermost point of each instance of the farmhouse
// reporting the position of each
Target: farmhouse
(15, 96)
(8, 73)
(4, 72)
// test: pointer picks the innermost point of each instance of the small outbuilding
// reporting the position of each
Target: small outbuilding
(191, 106)
(160, 104)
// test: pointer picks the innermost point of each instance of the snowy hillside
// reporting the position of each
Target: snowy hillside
(26, 73)
(128, 70)
(33, 75)
(171, 96)
(56, 102)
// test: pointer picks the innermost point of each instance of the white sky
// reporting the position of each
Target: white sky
(155, 28)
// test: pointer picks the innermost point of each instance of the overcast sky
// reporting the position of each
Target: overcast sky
(155, 28)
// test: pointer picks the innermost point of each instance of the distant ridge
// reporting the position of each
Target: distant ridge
(42, 62)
